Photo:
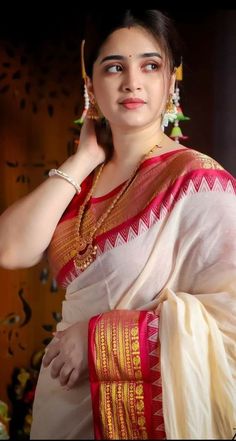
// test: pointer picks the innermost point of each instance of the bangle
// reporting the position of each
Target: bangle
(61, 174)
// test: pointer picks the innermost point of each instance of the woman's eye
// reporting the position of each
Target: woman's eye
(114, 68)
(151, 66)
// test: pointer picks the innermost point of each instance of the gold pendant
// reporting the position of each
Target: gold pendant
(82, 243)
(86, 254)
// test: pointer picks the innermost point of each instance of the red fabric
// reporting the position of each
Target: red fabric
(149, 350)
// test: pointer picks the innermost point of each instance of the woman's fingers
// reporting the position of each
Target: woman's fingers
(52, 351)
(57, 365)
(73, 378)
(65, 373)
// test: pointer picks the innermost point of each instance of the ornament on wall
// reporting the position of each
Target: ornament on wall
(11, 325)
(40, 76)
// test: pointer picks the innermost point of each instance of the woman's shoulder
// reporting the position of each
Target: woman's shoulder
(179, 159)
(187, 170)
(193, 171)
(190, 164)
(185, 161)
(196, 159)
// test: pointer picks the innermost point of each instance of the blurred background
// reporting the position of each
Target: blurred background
(41, 93)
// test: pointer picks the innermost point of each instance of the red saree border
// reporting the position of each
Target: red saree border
(125, 383)
(160, 158)
(144, 164)
(196, 181)
(154, 350)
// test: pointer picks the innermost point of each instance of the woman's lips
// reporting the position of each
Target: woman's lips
(132, 104)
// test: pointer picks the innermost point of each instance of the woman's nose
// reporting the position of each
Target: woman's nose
(131, 81)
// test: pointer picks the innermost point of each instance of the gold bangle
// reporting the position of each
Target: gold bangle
(61, 174)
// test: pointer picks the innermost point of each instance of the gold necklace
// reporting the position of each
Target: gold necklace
(86, 251)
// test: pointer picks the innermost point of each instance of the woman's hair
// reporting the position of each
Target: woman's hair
(99, 26)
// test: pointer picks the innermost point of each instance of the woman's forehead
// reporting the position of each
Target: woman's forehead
(129, 42)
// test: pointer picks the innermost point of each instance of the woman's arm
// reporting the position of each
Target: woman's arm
(27, 226)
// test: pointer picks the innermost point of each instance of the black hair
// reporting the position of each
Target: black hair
(99, 26)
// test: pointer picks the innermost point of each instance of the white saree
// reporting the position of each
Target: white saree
(175, 254)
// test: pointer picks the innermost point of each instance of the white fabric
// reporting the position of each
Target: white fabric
(185, 265)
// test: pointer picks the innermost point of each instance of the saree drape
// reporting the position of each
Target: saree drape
(169, 249)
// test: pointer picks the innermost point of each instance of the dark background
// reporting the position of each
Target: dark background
(208, 90)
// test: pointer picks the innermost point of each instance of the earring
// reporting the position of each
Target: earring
(86, 107)
(90, 106)
(86, 97)
(170, 113)
(93, 112)
(87, 104)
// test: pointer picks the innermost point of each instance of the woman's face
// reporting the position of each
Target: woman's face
(131, 79)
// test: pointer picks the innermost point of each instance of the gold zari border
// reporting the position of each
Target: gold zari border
(121, 393)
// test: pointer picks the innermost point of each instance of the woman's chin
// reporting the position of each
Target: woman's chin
(133, 122)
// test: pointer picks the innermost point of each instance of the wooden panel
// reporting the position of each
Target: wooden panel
(37, 109)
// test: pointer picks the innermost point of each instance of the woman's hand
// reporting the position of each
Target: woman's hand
(88, 144)
(67, 354)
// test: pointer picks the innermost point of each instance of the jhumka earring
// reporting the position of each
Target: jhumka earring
(93, 112)
(170, 113)
(90, 106)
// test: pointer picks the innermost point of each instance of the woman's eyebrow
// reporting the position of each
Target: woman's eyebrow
(121, 57)
(112, 57)
(150, 54)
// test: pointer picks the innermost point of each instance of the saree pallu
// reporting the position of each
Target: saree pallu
(124, 366)
(184, 388)
(169, 251)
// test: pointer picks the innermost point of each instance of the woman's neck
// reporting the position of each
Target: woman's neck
(129, 147)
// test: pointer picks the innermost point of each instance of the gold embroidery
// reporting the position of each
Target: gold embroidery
(135, 346)
(121, 386)
(153, 179)
(207, 162)
(134, 331)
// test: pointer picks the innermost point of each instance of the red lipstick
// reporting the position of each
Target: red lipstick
(132, 103)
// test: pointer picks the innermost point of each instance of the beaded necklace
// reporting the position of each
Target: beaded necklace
(86, 250)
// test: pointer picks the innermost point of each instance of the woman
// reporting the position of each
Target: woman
(146, 346)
